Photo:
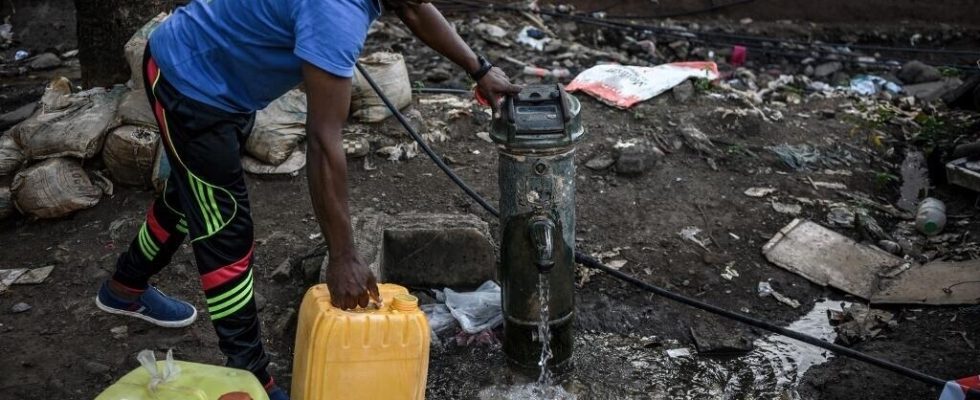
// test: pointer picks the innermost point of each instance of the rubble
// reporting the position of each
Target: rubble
(44, 62)
(857, 323)
(918, 72)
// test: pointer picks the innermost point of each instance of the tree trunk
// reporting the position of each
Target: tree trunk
(104, 27)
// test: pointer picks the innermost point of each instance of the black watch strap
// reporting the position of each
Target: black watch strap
(485, 67)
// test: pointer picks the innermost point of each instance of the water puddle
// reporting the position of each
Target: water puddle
(609, 365)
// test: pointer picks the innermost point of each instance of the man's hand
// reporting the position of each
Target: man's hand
(351, 283)
(428, 24)
(328, 101)
(494, 86)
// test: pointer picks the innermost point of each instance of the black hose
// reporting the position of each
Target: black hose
(441, 90)
(425, 147)
(591, 262)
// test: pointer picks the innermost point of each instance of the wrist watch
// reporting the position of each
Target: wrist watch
(485, 67)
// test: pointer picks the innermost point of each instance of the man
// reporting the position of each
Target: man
(207, 69)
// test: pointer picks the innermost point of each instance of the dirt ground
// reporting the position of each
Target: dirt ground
(63, 346)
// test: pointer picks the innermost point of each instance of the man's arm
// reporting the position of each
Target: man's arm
(328, 101)
(428, 24)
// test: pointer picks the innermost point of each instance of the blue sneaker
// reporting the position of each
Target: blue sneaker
(278, 394)
(152, 306)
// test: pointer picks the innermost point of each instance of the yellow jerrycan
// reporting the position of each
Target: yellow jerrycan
(179, 380)
(381, 352)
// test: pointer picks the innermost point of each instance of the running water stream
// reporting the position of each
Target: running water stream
(544, 388)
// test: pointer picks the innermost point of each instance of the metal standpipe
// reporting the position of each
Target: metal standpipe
(536, 135)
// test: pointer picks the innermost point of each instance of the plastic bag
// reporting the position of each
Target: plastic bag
(389, 72)
(441, 320)
(135, 47)
(6, 203)
(170, 371)
(292, 165)
(279, 128)
(54, 188)
(130, 154)
(134, 109)
(11, 156)
(478, 310)
(76, 130)
(623, 86)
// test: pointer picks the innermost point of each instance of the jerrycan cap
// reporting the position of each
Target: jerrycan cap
(405, 302)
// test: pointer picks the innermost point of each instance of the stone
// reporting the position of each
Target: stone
(827, 69)
(120, 331)
(930, 91)
(438, 75)
(600, 162)
(809, 70)
(260, 301)
(97, 368)
(714, 341)
(281, 273)
(437, 250)
(20, 307)
(637, 158)
(12, 118)
(683, 92)
(918, 72)
(45, 61)
(285, 321)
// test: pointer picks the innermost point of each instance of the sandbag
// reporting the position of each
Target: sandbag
(11, 156)
(134, 109)
(129, 154)
(135, 47)
(389, 72)
(292, 165)
(6, 204)
(279, 128)
(77, 130)
(54, 188)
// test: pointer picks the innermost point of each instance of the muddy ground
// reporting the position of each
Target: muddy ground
(63, 347)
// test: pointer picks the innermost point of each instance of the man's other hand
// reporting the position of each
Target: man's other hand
(494, 86)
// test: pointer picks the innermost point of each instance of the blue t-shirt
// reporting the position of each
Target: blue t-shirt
(240, 55)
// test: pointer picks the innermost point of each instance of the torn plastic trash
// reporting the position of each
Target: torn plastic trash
(533, 37)
(766, 290)
(798, 157)
(21, 54)
(557, 73)
(867, 85)
(623, 86)
(475, 311)
(23, 276)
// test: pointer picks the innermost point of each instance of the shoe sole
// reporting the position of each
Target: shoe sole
(166, 324)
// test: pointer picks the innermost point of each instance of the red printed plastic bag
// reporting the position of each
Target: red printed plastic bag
(623, 86)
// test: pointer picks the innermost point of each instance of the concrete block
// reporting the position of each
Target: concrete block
(425, 249)
(436, 250)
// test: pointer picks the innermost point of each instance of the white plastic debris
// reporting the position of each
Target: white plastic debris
(681, 352)
(478, 310)
(533, 38)
(766, 290)
(625, 85)
(759, 191)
